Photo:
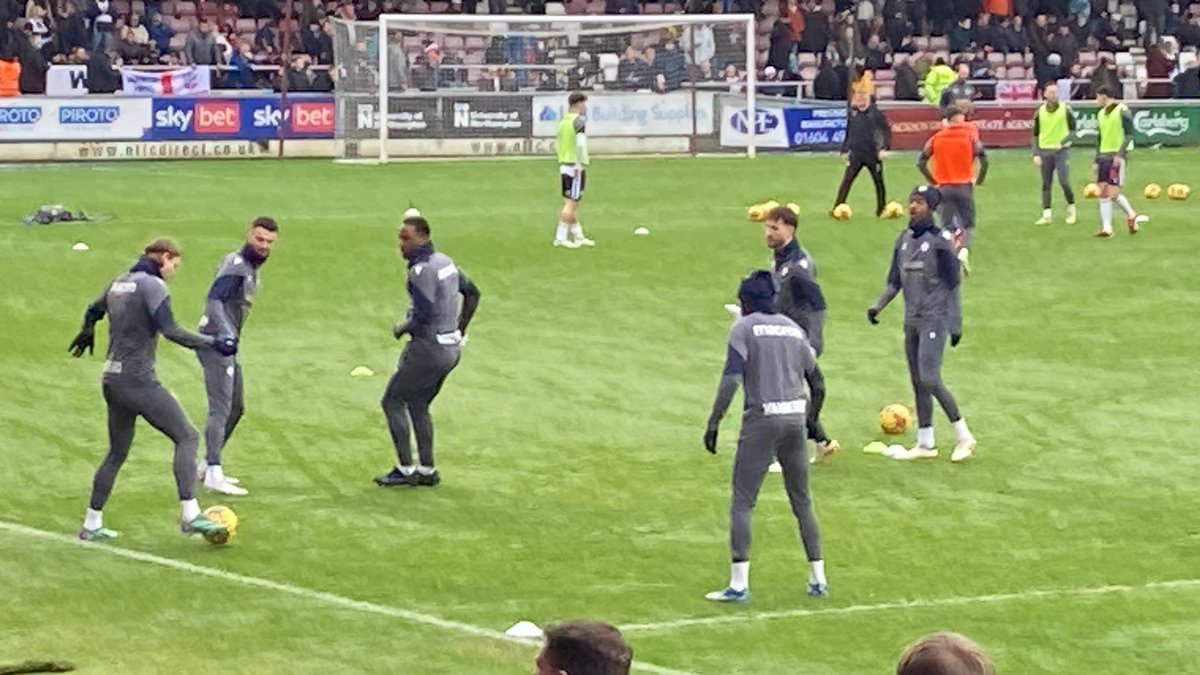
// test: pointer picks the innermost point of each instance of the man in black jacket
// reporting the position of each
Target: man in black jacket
(868, 138)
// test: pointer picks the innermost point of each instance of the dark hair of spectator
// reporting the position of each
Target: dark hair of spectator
(588, 648)
(419, 224)
(784, 215)
(163, 247)
(945, 654)
(576, 97)
(266, 223)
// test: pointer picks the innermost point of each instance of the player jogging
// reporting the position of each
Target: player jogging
(799, 298)
(1053, 124)
(139, 308)
(770, 354)
(572, 167)
(1115, 129)
(437, 330)
(952, 150)
(225, 312)
(923, 266)
(867, 140)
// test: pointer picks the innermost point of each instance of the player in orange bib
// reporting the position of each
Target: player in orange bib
(948, 161)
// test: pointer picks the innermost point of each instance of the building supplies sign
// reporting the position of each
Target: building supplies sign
(670, 114)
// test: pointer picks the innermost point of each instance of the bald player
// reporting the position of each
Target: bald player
(770, 355)
(948, 161)
(437, 328)
(138, 307)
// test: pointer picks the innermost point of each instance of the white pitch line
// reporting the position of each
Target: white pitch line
(297, 591)
(907, 604)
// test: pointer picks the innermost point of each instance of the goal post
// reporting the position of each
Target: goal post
(449, 85)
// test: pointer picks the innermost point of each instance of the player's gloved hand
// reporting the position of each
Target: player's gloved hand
(735, 310)
(710, 438)
(1037, 161)
(955, 338)
(399, 330)
(873, 315)
(86, 340)
(225, 345)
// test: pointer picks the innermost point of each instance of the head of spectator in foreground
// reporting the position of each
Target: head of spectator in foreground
(945, 654)
(584, 648)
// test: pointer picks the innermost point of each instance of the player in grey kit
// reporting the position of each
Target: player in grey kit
(925, 268)
(771, 355)
(139, 308)
(229, 301)
(437, 330)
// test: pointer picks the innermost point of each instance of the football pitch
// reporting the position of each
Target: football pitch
(569, 438)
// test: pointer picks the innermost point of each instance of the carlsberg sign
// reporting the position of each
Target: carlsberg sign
(1152, 125)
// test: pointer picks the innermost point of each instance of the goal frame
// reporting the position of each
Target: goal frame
(749, 22)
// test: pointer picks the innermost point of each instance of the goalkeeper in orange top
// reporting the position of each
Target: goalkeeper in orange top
(948, 161)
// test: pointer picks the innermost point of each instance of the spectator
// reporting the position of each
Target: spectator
(780, 49)
(453, 74)
(310, 13)
(1187, 82)
(848, 46)
(1015, 41)
(1188, 34)
(939, 77)
(828, 85)
(1160, 61)
(127, 47)
(1065, 45)
(102, 78)
(816, 31)
(1081, 29)
(898, 28)
(582, 647)
(795, 19)
(1108, 34)
(311, 41)
(265, 39)
(878, 54)
(922, 63)
(960, 37)
(698, 44)
(907, 87)
(1105, 76)
(631, 70)
(1155, 14)
(649, 73)
(984, 32)
(33, 65)
(242, 62)
(102, 14)
(160, 33)
(201, 46)
(945, 654)
(734, 78)
(72, 29)
(670, 64)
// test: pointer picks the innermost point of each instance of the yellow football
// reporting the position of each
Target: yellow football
(1152, 191)
(842, 212)
(225, 516)
(893, 210)
(771, 204)
(1091, 191)
(894, 419)
(757, 212)
(1178, 191)
(794, 207)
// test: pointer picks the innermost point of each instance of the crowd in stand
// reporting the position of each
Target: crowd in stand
(827, 43)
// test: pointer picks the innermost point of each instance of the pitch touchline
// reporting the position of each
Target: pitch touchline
(298, 591)
(907, 604)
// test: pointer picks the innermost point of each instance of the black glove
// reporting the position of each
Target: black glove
(710, 438)
(400, 330)
(225, 345)
(955, 338)
(86, 340)
(873, 316)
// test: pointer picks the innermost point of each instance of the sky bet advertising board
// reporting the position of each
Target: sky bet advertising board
(242, 118)
(777, 125)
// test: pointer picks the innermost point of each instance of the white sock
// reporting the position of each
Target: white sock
(561, 233)
(1106, 215)
(406, 470)
(1047, 213)
(1126, 206)
(426, 470)
(577, 231)
(94, 520)
(214, 474)
(925, 437)
(739, 575)
(1070, 208)
(191, 509)
(817, 574)
(961, 430)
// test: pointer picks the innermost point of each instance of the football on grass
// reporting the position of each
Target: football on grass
(894, 419)
(225, 516)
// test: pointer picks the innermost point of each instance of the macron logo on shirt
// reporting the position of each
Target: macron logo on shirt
(775, 330)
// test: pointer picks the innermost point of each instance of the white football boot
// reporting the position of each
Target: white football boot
(963, 449)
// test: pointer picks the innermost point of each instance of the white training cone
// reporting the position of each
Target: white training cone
(524, 630)
(361, 371)
(80, 247)
(642, 231)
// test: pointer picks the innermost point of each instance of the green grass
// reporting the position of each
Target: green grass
(569, 437)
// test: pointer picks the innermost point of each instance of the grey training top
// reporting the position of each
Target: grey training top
(925, 268)
(230, 297)
(434, 284)
(139, 308)
(770, 354)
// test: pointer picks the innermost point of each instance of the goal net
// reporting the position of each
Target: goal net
(480, 85)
